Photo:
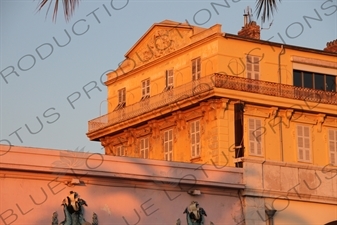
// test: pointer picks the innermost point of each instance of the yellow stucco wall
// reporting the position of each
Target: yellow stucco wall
(222, 54)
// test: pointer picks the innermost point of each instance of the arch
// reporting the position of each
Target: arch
(209, 67)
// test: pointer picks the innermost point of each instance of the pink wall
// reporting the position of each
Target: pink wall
(119, 190)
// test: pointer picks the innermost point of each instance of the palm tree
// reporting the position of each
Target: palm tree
(264, 8)
(68, 7)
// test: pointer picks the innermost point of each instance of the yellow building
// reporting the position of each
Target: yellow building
(190, 94)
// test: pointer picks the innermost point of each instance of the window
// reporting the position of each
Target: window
(144, 148)
(196, 69)
(312, 80)
(168, 144)
(303, 143)
(255, 136)
(145, 89)
(120, 150)
(195, 139)
(253, 67)
(121, 99)
(333, 146)
(169, 79)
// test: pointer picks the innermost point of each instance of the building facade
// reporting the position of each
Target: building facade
(202, 96)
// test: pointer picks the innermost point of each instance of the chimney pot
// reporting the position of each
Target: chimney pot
(331, 46)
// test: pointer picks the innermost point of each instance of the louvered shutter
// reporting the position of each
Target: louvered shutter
(333, 146)
(146, 148)
(303, 143)
(255, 136)
(258, 137)
(249, 67)
(256, 67)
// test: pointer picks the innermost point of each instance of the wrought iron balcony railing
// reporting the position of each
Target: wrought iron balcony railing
(206, 84)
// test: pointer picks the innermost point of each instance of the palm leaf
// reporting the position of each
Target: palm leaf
(69, 7)
(266, 8)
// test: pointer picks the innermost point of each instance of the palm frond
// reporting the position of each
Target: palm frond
(69, 7)
(266, 8)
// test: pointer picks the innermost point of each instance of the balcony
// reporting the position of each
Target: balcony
(202, 87)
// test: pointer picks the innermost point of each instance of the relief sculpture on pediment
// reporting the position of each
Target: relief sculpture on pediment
(159, 43)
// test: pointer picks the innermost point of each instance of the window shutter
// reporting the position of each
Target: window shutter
(333, 146)
(146, 146)
(256, 68)
(193, 70)
(167, 77)
(255, 136)
(303, 143)
(198, 68)
(251, 129)
(258, 136)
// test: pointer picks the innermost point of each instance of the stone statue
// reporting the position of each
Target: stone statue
(73, 210)
(195, 214)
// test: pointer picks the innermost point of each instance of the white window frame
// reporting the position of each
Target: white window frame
(168, 145)
(195, 138)
(255, 136)
(144, 147)
(146, 89)
(332, 142)
(196, 69)
(303, 139)
(120, 150)
(253, 67)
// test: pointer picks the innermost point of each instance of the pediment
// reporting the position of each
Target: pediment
(161, 39)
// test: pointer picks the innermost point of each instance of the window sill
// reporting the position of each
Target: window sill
(196, 159)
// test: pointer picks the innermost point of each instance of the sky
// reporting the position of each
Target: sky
(51, 72)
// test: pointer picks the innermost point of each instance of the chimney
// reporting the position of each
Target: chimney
(250, 30)
(331, 46)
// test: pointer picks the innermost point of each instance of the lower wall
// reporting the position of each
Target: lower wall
(31, 202)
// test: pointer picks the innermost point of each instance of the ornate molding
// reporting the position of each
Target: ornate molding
(154, 126)
(180, 120)
(130, 136)
(304, 118)
(160, 42)
(273, 112)
(320, 120)
(205, 109)
(314, 62)
(221, 107)
(330, 121)
(257, 111)
(286, 116)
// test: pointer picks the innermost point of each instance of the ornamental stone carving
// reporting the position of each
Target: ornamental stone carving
(73, 211)
(195, 215)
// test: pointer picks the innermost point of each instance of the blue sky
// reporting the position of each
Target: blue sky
(49, 73)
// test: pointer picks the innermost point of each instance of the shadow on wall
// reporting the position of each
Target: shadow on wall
(332, 223)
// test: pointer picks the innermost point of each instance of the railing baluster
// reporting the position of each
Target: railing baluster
(213, 81)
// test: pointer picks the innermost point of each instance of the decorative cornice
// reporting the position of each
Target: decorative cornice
(330, 121)
(252, 110)
(314, 62)
(304, 118)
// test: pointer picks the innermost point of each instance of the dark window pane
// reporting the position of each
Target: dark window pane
(297, 78)
(308, 80)
(330, 83)
(319, 82)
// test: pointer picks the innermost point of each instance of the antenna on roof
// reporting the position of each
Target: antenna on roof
(247, 16)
